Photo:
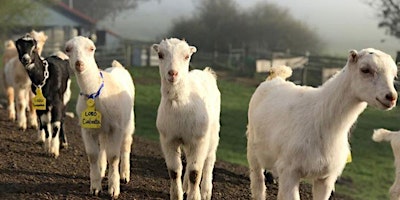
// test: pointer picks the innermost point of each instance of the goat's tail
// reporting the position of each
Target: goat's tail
(115, 63)
(212, 72)
(384, 135)
(282, 71)
(61, 55)
(9, 44)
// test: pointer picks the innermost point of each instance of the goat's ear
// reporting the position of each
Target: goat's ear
(155, 47)
(353, 56)
(193, 49)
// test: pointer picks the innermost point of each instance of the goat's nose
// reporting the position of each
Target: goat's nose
(391, 96)
(24, 60)
(172, 72)
(78, 63)
(79, 66)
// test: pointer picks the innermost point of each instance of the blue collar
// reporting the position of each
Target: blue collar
(96, 94)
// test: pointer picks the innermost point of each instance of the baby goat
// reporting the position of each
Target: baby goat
(110, 93)
(51, 76)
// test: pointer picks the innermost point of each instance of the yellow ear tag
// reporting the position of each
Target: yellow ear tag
(349, 158)
(39, 102)
(90, 118)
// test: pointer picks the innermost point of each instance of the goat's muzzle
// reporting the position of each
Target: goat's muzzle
(172, 75)
(389, 101)
(26, 60)
(79, 66)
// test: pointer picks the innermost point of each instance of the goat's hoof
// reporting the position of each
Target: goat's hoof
(22, 128)
(114, 193)
(124, 180)
(95, 192)
(12, 117)
(64, 145)
(34, 127)
(54, 155)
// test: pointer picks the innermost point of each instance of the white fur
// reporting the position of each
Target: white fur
(114, 139)
(394, 138)
(302, 132)
(282, 71)
(188, 117)
(18, 84)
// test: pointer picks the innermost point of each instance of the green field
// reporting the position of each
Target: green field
(369, 176)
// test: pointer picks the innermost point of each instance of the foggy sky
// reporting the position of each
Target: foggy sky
(342, 24)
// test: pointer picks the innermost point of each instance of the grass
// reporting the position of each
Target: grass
(369, 176)
(372, 170)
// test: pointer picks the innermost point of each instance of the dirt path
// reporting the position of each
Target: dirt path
(27, 173)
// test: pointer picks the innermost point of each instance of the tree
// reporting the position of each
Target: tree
(102, 9)
(388, 12)
(214, 26)
(217, 25)
(13, 12)
(272, 27)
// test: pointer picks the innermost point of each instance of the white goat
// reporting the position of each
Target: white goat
(113, 93)
(394, 138)
(188, 116)
(302, 132)
(18, 86)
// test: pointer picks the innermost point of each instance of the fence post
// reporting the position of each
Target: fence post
(128, 54)
(148, 56)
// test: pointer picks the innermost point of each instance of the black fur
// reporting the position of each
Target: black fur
(55, 85)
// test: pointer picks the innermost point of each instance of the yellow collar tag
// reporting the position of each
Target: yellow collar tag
(349, 158)
(90, 118)
(39, 102)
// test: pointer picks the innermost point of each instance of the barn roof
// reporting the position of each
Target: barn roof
(74, 14)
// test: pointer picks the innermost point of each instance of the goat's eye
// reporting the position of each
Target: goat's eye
(91, 48)
(366, 70)
(187, 57)
(67, 49)
(160, 55)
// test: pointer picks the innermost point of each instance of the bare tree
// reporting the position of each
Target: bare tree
(388, 12)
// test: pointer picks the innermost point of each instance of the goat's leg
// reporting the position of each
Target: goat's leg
(46, 128)
(63, 137)
(91, 142)
(33, 121)
(113, 148)
(322, 188)
(22, 103)
(206, 182)
(57, 115)
(41, 132)
(257, 184)
(125, 157)
(288, 185)
(196, 155)
(102, 161)
(41, 135)
(55, 140)
(172, 154)
(11, 103)
(395, 189)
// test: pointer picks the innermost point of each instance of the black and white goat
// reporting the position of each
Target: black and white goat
(52, 77)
